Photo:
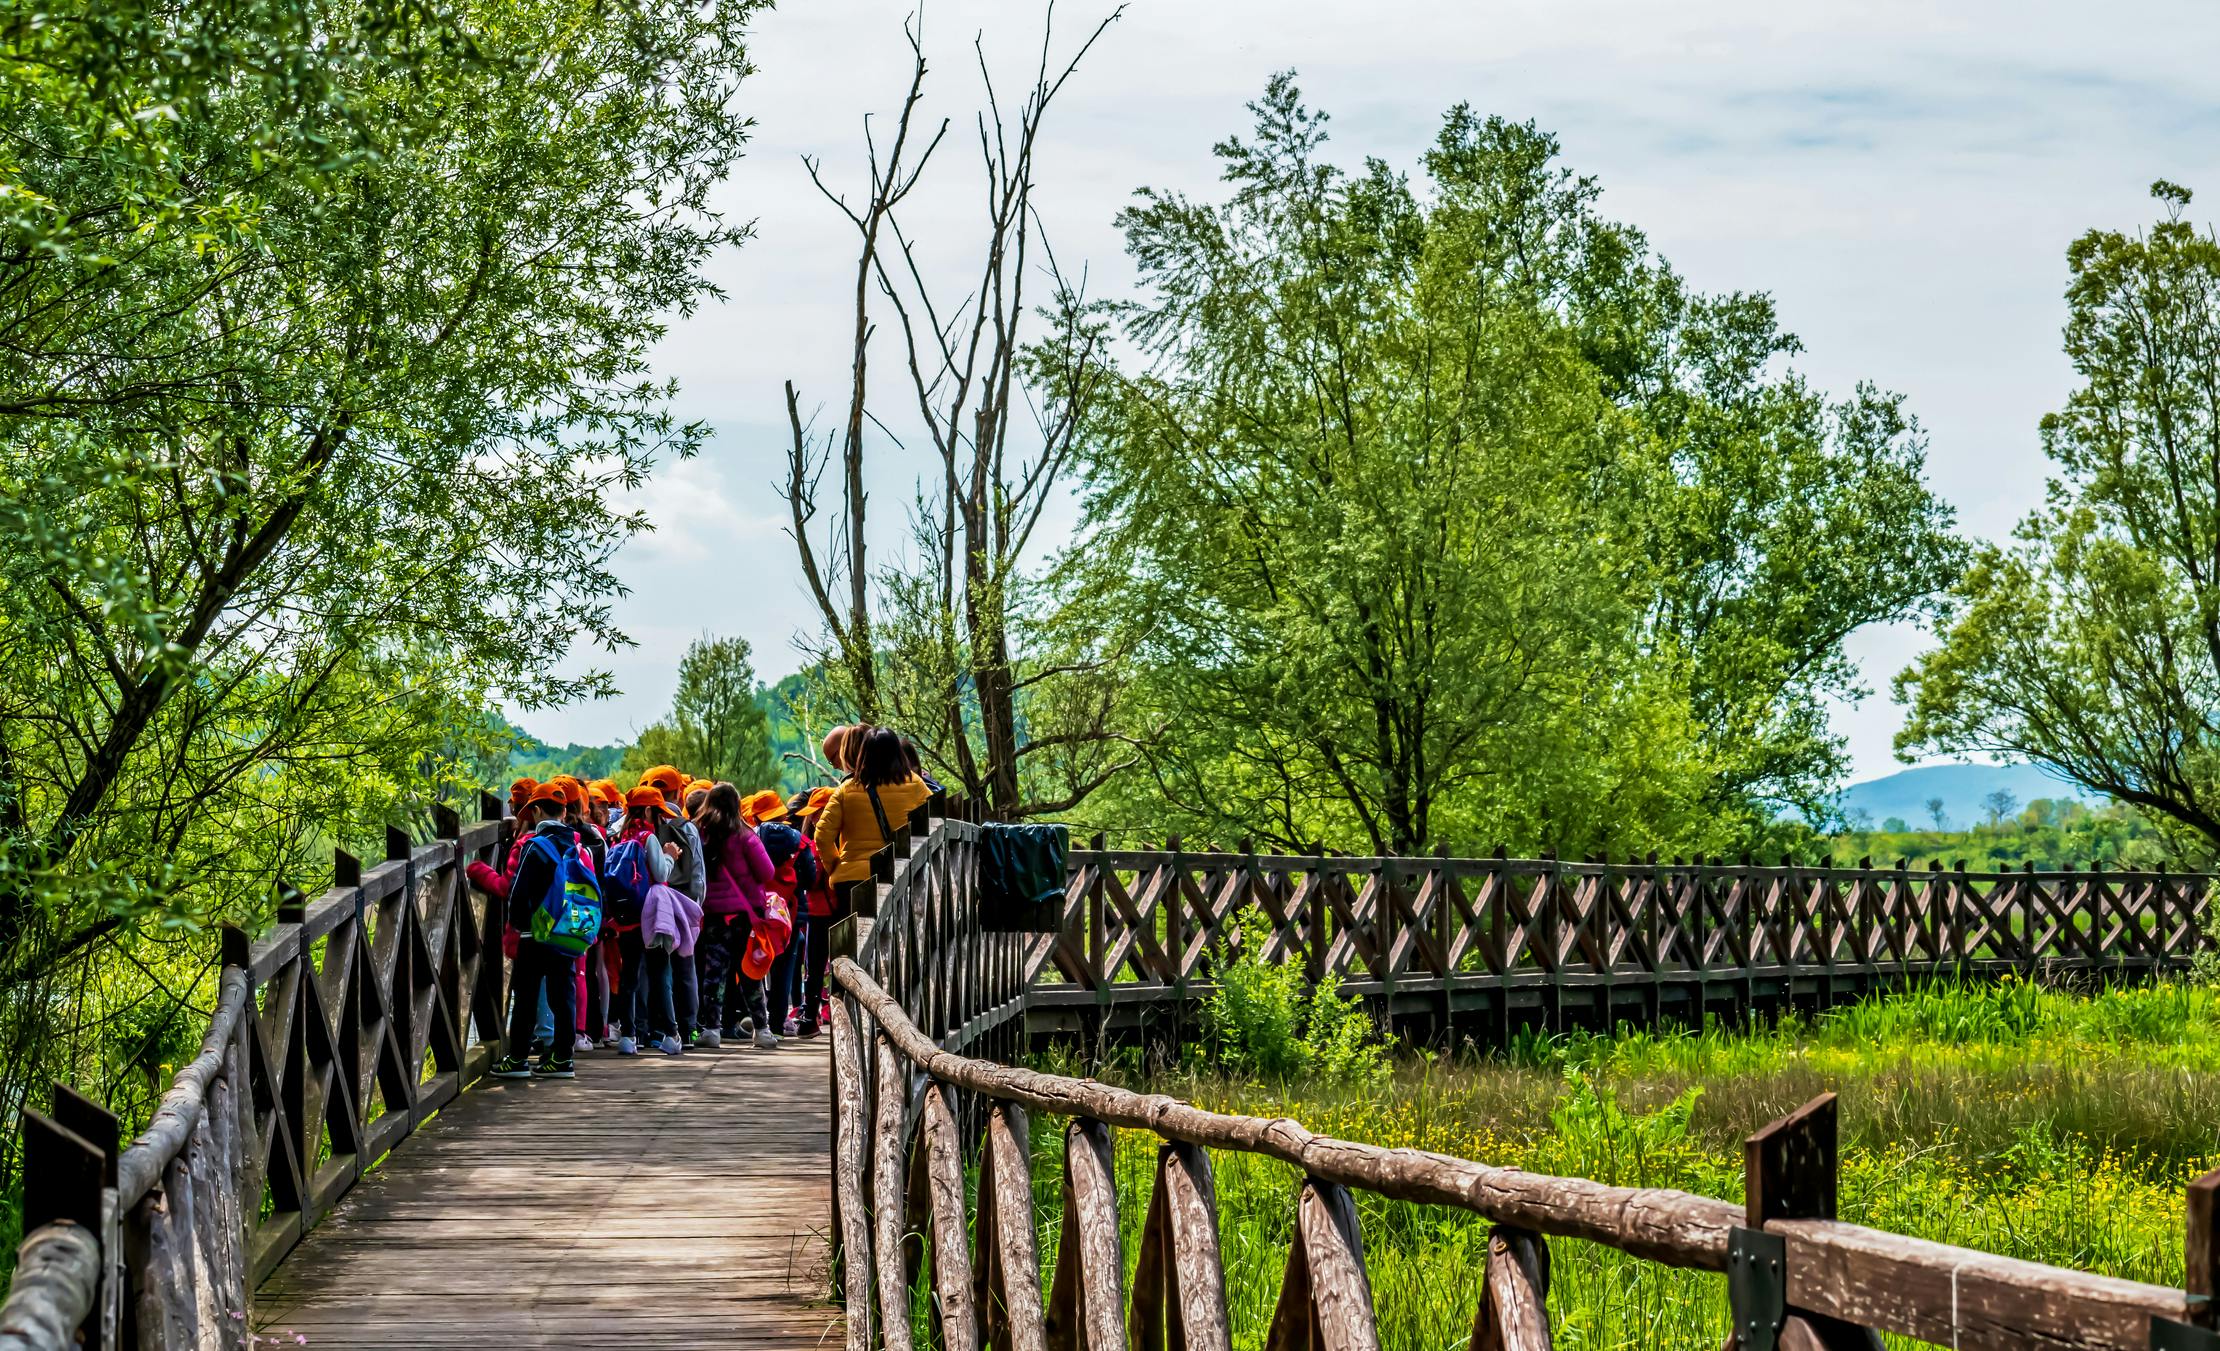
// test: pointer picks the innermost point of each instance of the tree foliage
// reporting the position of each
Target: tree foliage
(717, 712)
(323, 339)
(1454, 516)
(2090, 642)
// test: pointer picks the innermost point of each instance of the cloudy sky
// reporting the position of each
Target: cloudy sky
(1902, 177)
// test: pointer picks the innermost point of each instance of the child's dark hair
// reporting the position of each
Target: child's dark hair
(882, 762)
(909, 753)
(718, 820)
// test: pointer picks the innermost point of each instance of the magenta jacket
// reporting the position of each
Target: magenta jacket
(736, 881)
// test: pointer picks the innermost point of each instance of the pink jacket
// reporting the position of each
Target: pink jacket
(669, 918)
(737, 880)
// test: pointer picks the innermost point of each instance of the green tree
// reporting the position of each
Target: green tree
(659, 743)
(718, 718)
(323, 342)
(718, 727)
(1454, 516)
(2090, 642)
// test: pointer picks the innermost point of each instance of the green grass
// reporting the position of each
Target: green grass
(2038, 1125)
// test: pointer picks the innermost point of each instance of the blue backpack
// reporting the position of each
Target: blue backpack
(626, 877)
(568, 917)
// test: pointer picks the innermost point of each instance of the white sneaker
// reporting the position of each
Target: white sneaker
(611, 1033)
(583, 1043)
(711, 1038)
(793, 1026)
(671, 1046)
(766, 1040)
(627, 1046)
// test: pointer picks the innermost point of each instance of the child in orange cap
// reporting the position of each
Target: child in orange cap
(690, 876)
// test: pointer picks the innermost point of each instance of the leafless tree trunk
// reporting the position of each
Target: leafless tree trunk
(967, 369)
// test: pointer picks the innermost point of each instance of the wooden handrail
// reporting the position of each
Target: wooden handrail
(921, 1058)
(1668, 1226)
(350, 1023)
(1442, 945)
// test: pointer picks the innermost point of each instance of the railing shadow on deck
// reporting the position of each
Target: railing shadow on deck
(932, 1006)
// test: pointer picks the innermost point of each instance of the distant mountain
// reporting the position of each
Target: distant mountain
(1964, 790)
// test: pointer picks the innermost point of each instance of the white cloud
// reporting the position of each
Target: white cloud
(1903, 178)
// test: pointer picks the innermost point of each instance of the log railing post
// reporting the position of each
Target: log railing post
(944, 1182)
(1007, 1290)
(1086, 1307)
(851, 1233)
(1514, 1295)
(1325, 1297)
(1179, 1282)
(889, 1227)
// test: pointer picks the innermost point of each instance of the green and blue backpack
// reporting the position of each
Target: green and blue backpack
(568, 917)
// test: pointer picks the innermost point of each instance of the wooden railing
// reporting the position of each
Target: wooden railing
(1469, 940)
(334, 1037)
(926, 983)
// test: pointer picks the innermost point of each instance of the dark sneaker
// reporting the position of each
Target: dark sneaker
(511, 1067)
(808, 1029)
(554, 1069)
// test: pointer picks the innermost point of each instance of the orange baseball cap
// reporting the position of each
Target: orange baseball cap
(550, 792)
(521, 791)
(605, 792)
(647, 797)
(669, 778)
(764, 806)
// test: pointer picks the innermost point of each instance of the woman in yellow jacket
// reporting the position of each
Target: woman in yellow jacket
(849, 832)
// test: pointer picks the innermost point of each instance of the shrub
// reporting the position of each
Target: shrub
(1267, 1024)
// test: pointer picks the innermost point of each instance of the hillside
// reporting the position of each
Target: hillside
(1964, 790)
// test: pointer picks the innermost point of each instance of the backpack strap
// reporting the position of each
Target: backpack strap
(886, 832)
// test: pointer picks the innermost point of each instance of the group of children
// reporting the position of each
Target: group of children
(681, 913)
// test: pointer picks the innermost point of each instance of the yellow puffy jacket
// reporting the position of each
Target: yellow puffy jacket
(848, 834)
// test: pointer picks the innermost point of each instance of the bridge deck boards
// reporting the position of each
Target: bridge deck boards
(654, 1202)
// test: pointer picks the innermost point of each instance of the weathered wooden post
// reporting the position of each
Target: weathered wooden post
(1514, 1297)
(1789, 1174)
(96, 1125)
(67, 1177)
(2201, 1263)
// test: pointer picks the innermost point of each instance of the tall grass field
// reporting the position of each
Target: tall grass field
(2047, 1126)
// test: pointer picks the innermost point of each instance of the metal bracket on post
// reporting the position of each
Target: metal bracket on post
(1757, 1287)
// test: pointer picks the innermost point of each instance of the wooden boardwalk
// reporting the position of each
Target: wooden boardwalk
(653, 1202)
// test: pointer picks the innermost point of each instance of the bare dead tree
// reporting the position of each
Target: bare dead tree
(1002, 419)
(806, 464)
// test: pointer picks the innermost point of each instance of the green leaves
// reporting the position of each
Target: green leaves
(1452, 517)
(2091, 642)
(324, 336)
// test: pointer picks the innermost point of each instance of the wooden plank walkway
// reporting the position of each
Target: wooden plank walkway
(660, 1201)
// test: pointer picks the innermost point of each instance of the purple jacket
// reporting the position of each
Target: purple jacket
(669, 918)
(736, 881)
